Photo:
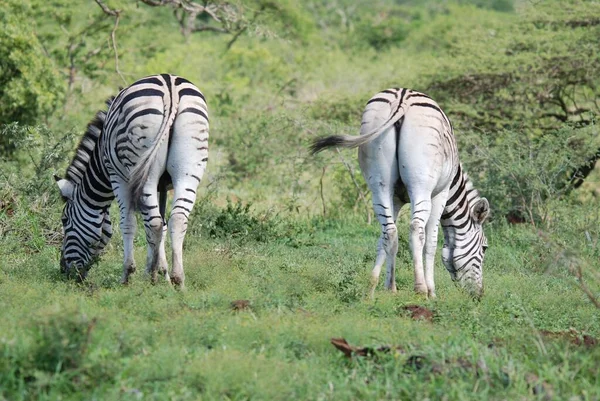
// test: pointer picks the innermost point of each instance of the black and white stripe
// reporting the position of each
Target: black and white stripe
(408, 153)
(153, 137)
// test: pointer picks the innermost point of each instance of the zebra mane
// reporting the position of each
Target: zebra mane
(472, 192)
(87, 144)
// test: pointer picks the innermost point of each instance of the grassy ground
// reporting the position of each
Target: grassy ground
(60, 340)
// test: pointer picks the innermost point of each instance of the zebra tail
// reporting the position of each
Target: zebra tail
(349, 141)
(139, 174)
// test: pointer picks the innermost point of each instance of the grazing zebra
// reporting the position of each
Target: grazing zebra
(407, 153)
(154, 136)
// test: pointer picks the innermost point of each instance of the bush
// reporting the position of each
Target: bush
(30, 203)
(520, 175)
(30, 88)
(237, 221)
(381, 34)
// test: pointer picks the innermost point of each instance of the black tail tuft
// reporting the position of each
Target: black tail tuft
(326, 142)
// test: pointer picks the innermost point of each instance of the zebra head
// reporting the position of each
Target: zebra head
(464, 249)
(87, 230)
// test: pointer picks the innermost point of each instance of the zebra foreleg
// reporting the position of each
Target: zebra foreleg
(420, 211)
(128, 226)
(431, 235)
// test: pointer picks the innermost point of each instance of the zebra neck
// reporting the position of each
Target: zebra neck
(457, 218)
(95, 189)
(86, 148)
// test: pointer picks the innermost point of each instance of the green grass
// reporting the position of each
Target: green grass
(99, 340)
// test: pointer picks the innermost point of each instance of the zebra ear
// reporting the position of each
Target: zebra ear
(481, 210)
(66, 187)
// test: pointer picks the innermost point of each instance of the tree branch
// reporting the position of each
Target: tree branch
(117, 15)
(229, 19)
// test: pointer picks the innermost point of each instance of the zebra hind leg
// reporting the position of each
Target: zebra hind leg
(163, 266)
(184, 198)
(377, 268)
(153, 223)
(128, 227)
(387, 247)
(186, 164)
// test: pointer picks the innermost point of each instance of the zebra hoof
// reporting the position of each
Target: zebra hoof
(177, 281)
(421, 290)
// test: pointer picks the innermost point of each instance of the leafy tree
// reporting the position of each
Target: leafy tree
(30, 88)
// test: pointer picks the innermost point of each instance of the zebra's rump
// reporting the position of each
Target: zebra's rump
(154, 134)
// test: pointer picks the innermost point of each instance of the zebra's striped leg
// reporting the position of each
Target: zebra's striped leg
(381, 256)
(186, 163)
(128, 226)
(421, 211)
(377, 269)
(153, 223)
(163, 266)
(431, 235)
(388, 242)
(185, 196)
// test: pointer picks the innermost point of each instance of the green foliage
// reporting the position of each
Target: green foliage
(520, 175)
(30, 203)
(533, 72)
(30, 88)
(238, 221)
(344, 110)
(383, 32)
(284, 17)
(497, 5)
(518, 79)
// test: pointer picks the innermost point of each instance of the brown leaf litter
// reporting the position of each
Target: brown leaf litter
(574, 336)
(418, 312)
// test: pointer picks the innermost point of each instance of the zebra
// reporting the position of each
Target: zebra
(153, 137)
(408, 153)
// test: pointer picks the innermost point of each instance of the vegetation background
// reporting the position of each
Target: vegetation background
(291, 233)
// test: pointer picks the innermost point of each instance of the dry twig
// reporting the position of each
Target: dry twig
(361, 194)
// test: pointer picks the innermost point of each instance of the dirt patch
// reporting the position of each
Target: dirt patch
(240, 305)
(7, 207)
(418, 312)
(573, 336)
